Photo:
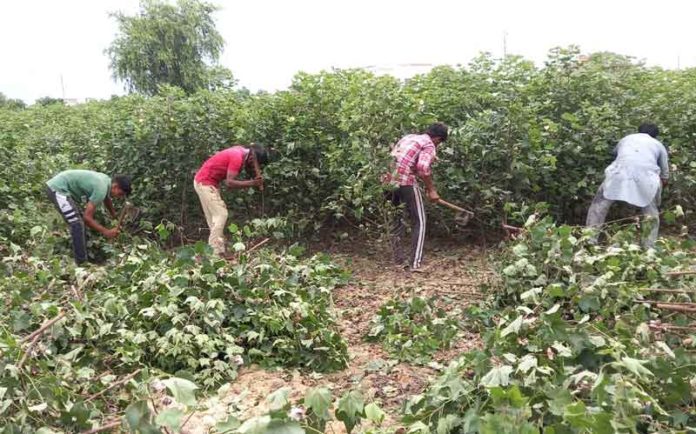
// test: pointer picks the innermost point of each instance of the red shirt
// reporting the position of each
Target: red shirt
(215, 168)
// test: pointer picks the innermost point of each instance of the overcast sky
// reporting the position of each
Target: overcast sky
(268, 41)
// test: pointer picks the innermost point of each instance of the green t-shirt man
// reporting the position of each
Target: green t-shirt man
(71, 187)
(82, 185)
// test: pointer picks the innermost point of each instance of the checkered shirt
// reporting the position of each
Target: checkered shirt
(413, 155)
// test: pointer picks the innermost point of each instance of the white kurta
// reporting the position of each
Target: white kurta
(634, 176)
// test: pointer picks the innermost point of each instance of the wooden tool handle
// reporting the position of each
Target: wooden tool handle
(123, 214)
(453, 206)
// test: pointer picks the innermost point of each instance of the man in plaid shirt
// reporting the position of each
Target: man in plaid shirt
(413, 156)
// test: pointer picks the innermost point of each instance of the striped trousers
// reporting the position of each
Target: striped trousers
(71, 214)
(412, 199)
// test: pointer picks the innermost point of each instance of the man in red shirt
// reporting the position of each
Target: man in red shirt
(226, 165)
(413, 156)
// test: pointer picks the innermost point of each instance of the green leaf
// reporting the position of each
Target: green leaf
(527, 362)
(679, 418)
(667, 350)
(163, 232)
(284, 427)
(559, 399)
(38, 408)
(589, 303)
(183, 390)
(576, 414)
(563, 351)
(498, 376)
(45, 430)
(418, 428)
(553, 309)
(635, 366)
(139, 418)
(513, 327)
(170, 418)
(228, 425)
(446, 424)
(238, 247)
(255, 425)
(279, 399)
(597, 341)
(319, 401)
(266, 425)
(374, 413)
(350, 409)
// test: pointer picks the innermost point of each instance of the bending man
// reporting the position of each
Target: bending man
(226, 165)
(72, 186)
(413, 156)
(636, 177)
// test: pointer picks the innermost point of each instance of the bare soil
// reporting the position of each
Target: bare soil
(454, 273)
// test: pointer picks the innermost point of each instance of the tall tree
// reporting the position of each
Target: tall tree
(167, 44)
(13, 104)
(47, 100)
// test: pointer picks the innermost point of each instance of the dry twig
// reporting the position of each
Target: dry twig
(126, 379)
(108, 427)
(670, 291)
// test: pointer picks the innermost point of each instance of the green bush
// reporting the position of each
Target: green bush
(520, 134)
(569, 346)
(183, 313)
(413, 329)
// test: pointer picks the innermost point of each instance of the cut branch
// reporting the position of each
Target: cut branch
(680, 273)
(670, 291)
(672, 327)
(674, 303)
(43, 328)
(677, 307)
(108, 427)
(126, 379)
(259, 244)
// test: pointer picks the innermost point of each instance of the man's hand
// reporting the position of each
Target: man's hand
(432, 195)
(111, 233)
(664, 182)
(258, 182)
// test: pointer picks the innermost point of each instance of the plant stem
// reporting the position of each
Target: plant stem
(116, 384)
(109, 426)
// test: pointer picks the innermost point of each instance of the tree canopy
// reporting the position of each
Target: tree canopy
(10, 103)
(168, 44)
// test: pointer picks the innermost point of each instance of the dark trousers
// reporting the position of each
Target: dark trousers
(71, 214)
(412, 199)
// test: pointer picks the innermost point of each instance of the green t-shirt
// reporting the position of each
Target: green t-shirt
(81, 185)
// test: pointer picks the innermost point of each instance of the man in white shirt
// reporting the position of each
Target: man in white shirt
(636, 177)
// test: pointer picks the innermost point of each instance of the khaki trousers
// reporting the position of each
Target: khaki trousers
(215, 212)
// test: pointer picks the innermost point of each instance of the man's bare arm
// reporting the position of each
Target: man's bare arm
(233, 183)
(110, 207)
(94, 224)
(430, 188)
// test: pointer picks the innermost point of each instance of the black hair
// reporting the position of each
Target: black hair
(437, 129)
(260, 153)
(649, 128)
(123, 182)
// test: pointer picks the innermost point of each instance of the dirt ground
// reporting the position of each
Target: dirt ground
(453, 272)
